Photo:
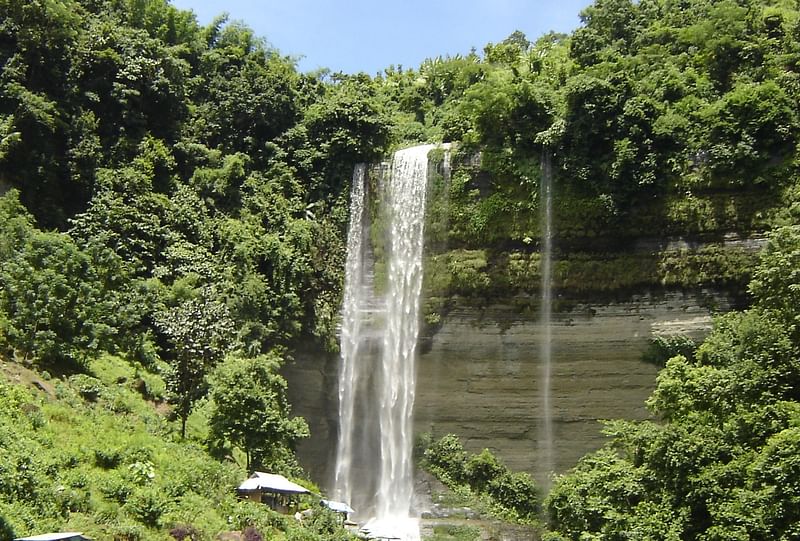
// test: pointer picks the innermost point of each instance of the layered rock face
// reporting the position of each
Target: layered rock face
(479, 374)
(480, 378)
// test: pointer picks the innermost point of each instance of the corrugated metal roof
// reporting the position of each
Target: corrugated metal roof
(271, 482)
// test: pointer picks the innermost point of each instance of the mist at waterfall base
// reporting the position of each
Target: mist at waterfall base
(374, 465)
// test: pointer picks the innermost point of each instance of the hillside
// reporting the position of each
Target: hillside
(94, 452)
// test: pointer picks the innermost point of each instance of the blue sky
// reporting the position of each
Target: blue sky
(370, 35)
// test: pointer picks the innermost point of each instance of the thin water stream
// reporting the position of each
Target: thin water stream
(545, 451)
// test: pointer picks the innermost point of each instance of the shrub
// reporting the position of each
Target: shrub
(662, 348)
(127, 532)
(107, 458)
(88, 387)
(70, 500)
(6, 531)
(146, 505)
(449, 532)
(483, 474)
(245, 514)
(448, 455)
(516, 491)
(115, 487)
(482, 469)
(326, 523)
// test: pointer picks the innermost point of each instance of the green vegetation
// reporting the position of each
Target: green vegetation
(722, 463)
(455, 533)
(89, 453)
(509, 495)
(174, 201)
(652, 135)
(194, 176)
(250, 410)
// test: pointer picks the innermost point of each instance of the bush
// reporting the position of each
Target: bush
(127, 532)
(326, 523)
(115, 487)
(662, 348)
(250, 514)
(514, 493)
(88, 387)
(70, 500)
(455, 533)
(482, 469)
(184, 511)
(146, 505)
(107, 458)
(448, 456)
(6, 531)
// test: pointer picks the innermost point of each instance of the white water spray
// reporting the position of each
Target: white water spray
(388, 387)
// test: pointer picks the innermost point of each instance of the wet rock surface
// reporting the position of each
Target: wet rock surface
(480, 375)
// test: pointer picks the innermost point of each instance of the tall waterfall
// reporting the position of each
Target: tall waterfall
(382, 385)
(546, 465)
(350, 337)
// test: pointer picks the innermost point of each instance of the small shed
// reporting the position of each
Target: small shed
(340, 508)
(272, 489)
(61, 536)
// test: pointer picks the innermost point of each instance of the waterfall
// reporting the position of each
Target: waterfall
(383, 385)
(546, 465)
(350, 335)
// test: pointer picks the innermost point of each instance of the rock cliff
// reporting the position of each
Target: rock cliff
(479, 369)
(479, 374)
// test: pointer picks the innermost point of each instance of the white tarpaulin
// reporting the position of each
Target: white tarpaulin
(271, 482)
(63, 536)
(339, 507)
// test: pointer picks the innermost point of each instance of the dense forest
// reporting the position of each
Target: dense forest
(172, 229)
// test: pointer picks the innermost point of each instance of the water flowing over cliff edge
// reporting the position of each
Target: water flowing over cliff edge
(479, 367)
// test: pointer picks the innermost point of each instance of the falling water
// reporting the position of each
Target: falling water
(392, 398)
(546, 430)
(350, 336)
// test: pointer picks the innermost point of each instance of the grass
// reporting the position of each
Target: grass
(95, 455)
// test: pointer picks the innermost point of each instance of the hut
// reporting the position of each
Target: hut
(272, 489)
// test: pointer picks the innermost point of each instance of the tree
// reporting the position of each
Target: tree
(776, 281)
(56, 305)
(752, 128)
(250, 410)
(448, 457)
(345, 126)
(200, 331)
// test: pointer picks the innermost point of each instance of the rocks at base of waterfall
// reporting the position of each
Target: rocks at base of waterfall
(442, 511)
